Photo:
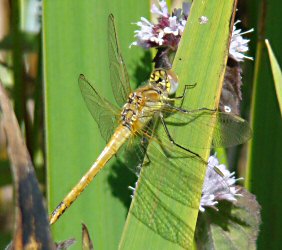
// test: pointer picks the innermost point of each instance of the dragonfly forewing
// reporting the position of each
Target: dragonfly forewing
(118, 73)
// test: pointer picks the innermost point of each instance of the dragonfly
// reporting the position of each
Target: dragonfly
(132, 126)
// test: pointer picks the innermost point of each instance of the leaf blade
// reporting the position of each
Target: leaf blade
(276, 72)
(195, 54)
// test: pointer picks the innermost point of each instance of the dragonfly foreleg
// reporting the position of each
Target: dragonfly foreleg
(182, 97)
(175, 143)
(186, 87)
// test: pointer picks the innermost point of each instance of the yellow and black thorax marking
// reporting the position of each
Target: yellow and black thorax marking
(131, 109)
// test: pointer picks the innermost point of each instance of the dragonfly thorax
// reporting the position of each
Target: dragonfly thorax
(148, 99)
(131, 109)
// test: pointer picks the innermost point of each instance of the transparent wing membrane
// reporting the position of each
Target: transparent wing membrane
(118, 73)
(104, 113)
(132, 154)
(152, 212)
(169, 175)
(227, 129)
(170, 170)
(162, 165)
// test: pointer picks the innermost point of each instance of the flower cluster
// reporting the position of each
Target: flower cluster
(217, 186)
(169, 28)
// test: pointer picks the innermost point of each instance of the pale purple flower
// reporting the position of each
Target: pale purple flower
(162, 10)
(239, 45)
(217, 186)
(166, 32)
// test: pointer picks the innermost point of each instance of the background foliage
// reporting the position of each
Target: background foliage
(74, 41)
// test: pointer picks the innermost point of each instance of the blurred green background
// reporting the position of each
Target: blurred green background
(40, 68)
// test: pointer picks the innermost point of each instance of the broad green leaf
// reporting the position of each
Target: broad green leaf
(157, 220)
(75, 42)
(276, 72)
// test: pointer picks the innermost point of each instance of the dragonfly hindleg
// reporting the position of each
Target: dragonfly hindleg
(176, 144)
(186, 111)
(143, 145)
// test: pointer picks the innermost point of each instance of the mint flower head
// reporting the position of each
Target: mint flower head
(168, 29)
(238, 44)
(218, 186)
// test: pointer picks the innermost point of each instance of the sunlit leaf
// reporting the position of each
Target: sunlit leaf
(155, 220)
(276, 72)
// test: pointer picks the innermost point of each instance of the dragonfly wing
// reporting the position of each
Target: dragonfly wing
(133, 153)
(119, 76)
(104, 113)
(228, 129)
(169, 172)
(151, 211)
(231, 130)
(161, 165)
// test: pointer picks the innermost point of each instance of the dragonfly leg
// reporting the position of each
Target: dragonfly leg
(190, 111)
(196, 110)
(146, 160)
(182, 97)
(186, 87)
(176, 144)
(144, 144)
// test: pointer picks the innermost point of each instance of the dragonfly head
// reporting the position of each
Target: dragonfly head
(165, 80)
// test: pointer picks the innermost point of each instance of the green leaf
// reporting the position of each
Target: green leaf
(276, 72)
(74, 42)
(233, 226)
(156, 220)
(264, 171)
